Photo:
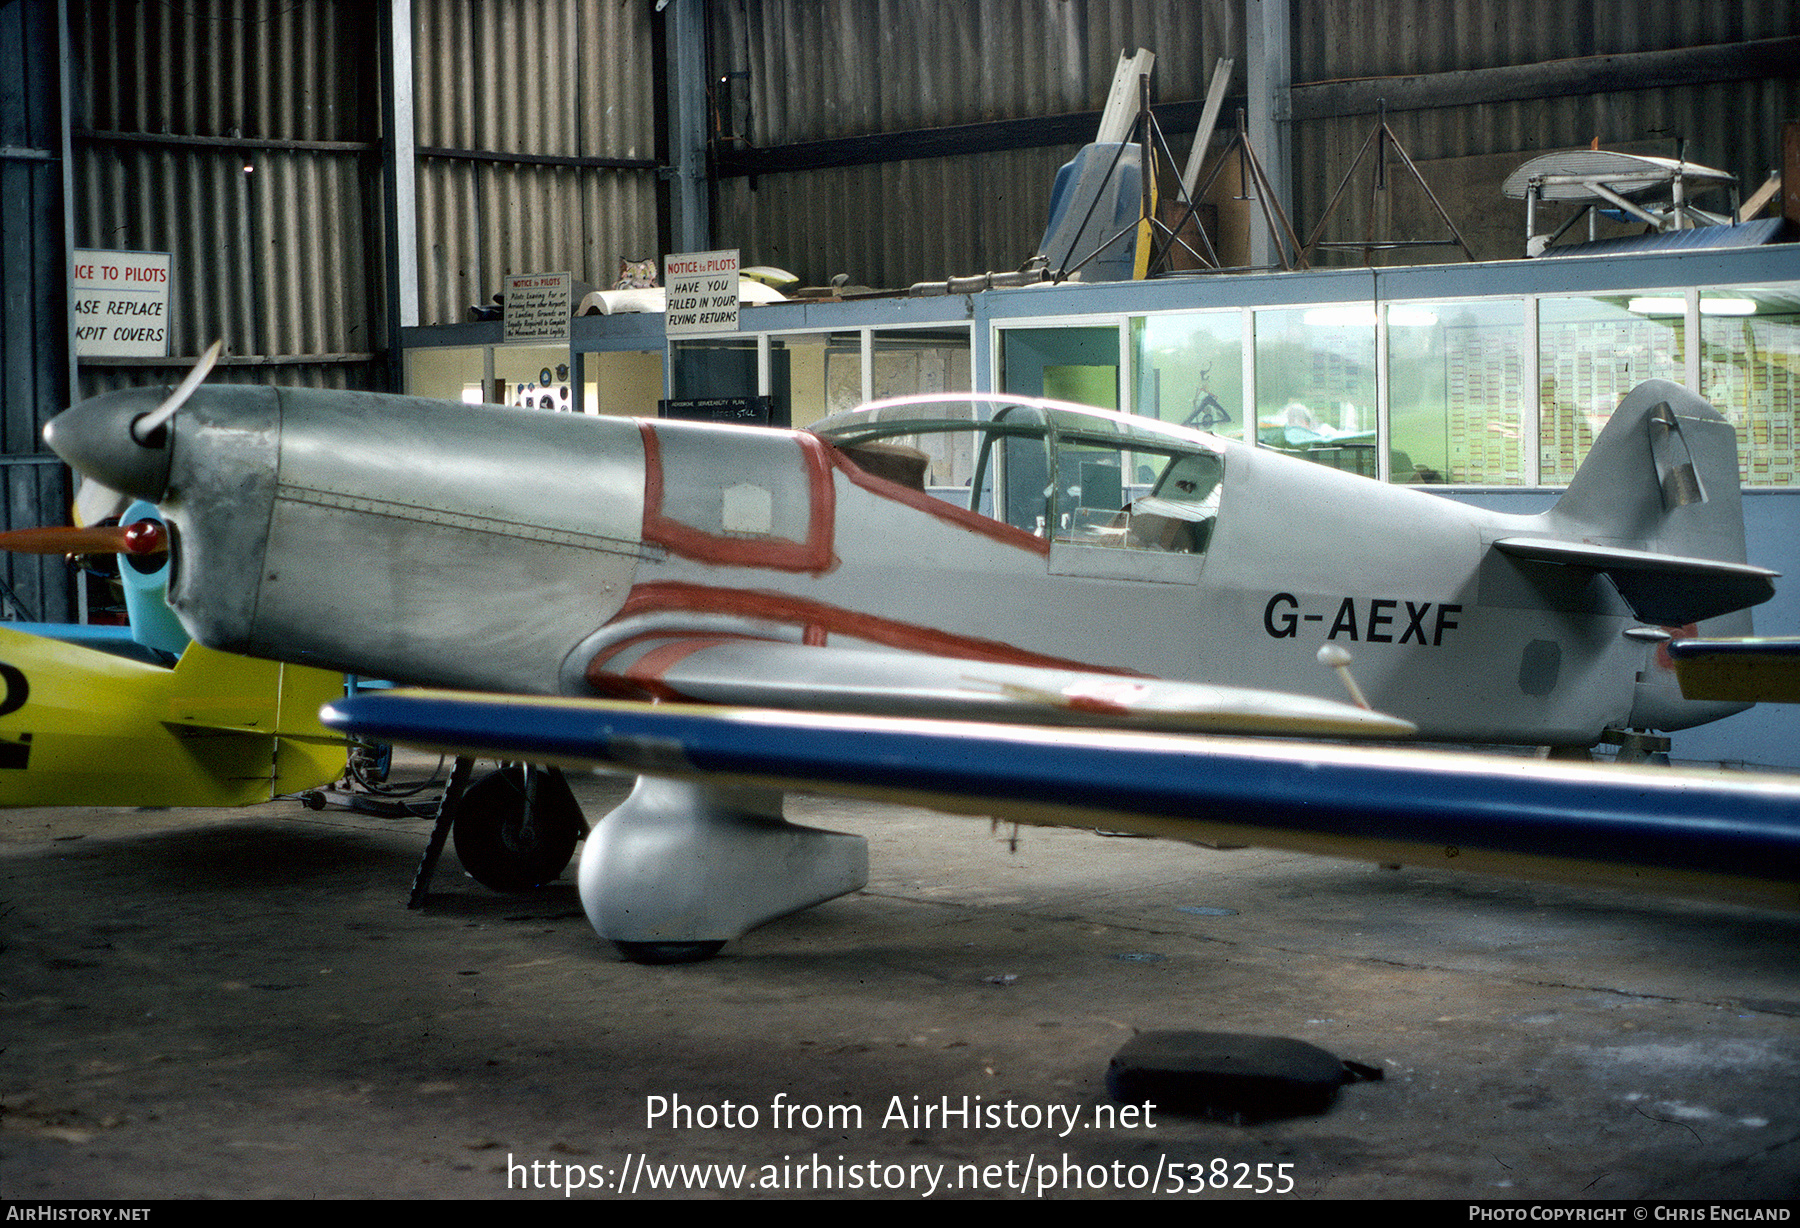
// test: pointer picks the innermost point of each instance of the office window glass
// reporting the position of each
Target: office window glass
(1315, 384)
(1591, 352)
(1750, 371)
(918, 362)
(1456, 389)
(1188, 369)
(1077, 364)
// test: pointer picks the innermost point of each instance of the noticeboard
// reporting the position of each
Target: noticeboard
(121, 304)
(537, 307)
(702, 289)
(745, 411)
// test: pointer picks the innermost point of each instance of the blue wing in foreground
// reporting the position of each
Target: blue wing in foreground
(1715, 835)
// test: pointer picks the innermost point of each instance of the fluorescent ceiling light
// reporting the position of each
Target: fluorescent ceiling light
(1411, 317)
(1658, 305)
(1362, 315)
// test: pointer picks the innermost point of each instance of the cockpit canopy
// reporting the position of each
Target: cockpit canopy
(1075, 475)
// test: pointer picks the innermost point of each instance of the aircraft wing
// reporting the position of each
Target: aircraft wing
(1719, 836)
(760, 673)
(1761, 670)
(1665, 589)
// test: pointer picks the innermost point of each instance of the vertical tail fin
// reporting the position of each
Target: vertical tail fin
(1662, 476)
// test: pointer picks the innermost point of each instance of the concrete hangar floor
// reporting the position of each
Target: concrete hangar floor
(238, 1004)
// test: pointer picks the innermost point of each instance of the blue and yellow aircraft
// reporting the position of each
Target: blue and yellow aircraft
(99, 716)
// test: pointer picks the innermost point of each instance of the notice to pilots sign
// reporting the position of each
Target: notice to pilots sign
(703, 292)
(121, 304)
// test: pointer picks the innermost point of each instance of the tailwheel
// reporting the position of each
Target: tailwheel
(516, 828)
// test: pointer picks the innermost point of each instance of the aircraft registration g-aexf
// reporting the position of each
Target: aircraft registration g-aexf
(968, 557)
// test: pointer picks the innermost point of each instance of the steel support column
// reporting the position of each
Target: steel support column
(689, 213)
(1269, 72)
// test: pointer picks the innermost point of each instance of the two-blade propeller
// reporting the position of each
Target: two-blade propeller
(145, 428)
(145, 537)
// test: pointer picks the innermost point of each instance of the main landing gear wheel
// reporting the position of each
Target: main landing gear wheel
(669, 952)
(516, 828)
(678, 869)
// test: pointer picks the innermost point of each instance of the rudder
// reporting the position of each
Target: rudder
(1662, 476)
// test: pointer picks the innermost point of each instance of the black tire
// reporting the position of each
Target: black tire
(489, 829)
(668, 952)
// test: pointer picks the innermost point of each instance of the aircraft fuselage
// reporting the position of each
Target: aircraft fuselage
(531, 552)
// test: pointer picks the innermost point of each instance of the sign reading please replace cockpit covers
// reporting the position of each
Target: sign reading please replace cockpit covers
(121, 304)
(703, 292)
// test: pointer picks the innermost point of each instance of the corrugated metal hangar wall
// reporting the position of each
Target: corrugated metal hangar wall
(890, 140)
(537, 131)
(244, 136)
(242, 139)
(979, 103)
(1473, 89)
(36, 368)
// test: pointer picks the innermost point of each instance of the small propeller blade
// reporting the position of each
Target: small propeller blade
(146, 427)
(144, 537)
(97, 504)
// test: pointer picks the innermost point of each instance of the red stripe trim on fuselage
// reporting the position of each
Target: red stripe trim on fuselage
(643, 678)
(819, 620)
(776, 553)
(931, 505)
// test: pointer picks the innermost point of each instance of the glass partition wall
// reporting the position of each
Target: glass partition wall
(805, 376)
(1750, 370)
(624, 382)
(1506, 391)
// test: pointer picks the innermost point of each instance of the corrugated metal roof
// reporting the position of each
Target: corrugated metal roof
(1697, 238)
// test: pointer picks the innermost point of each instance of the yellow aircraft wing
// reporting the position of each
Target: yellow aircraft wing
(1758, 670)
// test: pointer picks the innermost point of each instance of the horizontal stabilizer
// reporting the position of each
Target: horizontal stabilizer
(224, 691)
(1734, 837)
(775, 674)
(81, 727)
(1664, 589)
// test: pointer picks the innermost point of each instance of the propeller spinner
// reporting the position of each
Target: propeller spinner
(119, 438)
